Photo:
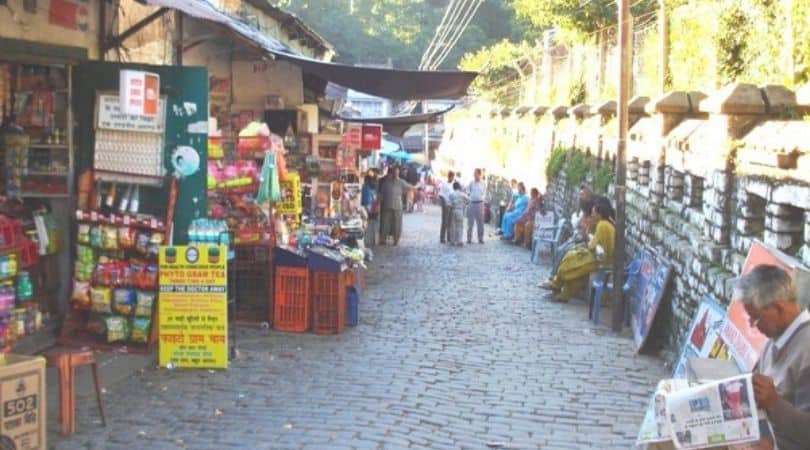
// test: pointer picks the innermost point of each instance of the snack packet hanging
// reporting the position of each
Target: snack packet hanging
(140, 329)
(101, 298)
(124, 301)
(145, 301)
(117, 328)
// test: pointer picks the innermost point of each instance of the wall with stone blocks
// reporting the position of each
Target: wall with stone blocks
(706, 175)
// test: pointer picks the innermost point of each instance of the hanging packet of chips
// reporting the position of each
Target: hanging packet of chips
(117, 328)
(140, 329)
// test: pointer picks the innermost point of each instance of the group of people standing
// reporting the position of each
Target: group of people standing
(385, 199)
(458, 201)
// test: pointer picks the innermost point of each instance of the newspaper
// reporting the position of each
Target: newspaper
(655, 427)
(718, 413)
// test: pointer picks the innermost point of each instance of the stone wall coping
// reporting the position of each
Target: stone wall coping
(559, 111)
(540, 110)
(735, 99)
(606, 108)
(637, 104)
(675, 102)
(779, 98)
(506, 112)
(522, 110)
(683, 131)
(580, 111)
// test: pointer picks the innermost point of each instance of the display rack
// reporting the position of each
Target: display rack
(75, 331)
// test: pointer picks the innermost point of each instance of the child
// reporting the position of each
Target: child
(420, 198)
(458, 201)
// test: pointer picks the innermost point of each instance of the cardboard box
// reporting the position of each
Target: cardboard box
(23, 406)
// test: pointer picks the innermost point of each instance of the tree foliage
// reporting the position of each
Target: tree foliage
(577, 18)
(399, 30)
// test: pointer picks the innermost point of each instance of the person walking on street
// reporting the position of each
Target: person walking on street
(445, 189)
(392, 191)
(371, 201)
(477, 192)
(458, 201)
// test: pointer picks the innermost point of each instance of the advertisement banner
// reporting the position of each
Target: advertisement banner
(193, 306)
(704, 338)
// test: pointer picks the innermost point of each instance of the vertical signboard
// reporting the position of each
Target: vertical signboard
(193, 306)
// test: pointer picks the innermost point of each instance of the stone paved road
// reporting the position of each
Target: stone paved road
(455, 349)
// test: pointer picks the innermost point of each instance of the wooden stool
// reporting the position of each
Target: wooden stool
(65, 361)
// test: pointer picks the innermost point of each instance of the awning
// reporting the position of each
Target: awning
(388, 83)
(398, 125)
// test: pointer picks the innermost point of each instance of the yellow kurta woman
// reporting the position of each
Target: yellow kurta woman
(579, 263)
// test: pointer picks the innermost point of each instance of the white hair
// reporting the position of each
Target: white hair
(765, 284)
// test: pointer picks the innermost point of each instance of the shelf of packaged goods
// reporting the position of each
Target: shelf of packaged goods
(240, 190)
(49, 146)
(44, 195)
(121, 220)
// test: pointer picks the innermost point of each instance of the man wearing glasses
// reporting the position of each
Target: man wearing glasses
(782, 377)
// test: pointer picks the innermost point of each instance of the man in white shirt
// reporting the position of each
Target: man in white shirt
(782, 376)
(445, 189)
(477, 191)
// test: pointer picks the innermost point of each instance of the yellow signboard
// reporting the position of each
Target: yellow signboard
(193, 306)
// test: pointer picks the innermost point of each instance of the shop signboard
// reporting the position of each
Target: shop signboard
(371, 137)
(139, 92)
(192, 307)
(653, 277)
(110, 116)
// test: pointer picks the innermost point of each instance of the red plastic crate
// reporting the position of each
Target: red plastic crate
(328, 302)
(291, 309)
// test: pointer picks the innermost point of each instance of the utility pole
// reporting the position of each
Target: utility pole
(625, 32)
(663, 29)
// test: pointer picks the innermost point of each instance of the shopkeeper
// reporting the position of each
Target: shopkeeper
(782, 376)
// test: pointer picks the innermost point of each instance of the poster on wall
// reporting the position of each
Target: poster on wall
(704, 337)
(761, 253)
(70, 15)
(653, 277)
(192, 307)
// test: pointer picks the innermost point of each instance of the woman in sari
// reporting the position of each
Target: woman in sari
(524, 226)
(579, 263)
(509, 219)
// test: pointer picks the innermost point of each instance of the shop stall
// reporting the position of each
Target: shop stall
(140, 182)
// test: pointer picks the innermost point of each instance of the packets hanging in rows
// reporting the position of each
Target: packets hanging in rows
(84, 233)
(84, 271)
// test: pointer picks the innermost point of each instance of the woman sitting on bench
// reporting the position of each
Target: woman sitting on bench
(580, 262)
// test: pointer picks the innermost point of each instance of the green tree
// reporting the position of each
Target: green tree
(401, 30)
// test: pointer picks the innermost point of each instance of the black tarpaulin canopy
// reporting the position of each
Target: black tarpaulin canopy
(398, 125)
(389, 83)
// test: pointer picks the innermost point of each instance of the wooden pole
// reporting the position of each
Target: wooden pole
(625, 32)
(178, 47)
(663, 27)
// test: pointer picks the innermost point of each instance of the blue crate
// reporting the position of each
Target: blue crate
(352, 307)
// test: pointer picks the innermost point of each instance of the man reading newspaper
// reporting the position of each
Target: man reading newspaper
(781, 379)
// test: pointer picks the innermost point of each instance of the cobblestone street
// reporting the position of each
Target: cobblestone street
(456, 348)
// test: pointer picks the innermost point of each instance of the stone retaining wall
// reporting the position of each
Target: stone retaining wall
(705, 176)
